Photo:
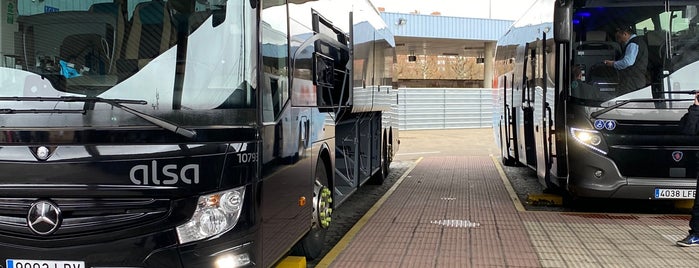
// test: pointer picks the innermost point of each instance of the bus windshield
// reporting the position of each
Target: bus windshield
(176, 55)
(665, 41)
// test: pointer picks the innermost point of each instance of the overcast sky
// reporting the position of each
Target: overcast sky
(496, 9)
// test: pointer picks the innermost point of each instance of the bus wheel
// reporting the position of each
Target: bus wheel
(509, 161)
(379, 177)
(312, 244)
(385, 159)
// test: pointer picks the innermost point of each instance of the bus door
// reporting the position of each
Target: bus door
(287, 161)
(545, 100)
(331, 78)
(508, 137)
(528, 108)
(519, 79)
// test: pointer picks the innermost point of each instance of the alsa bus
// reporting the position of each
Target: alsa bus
(564, 113)
(186, 133)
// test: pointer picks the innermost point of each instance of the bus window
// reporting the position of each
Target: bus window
(275, 58)
(645, 26)
(682, 24)
(534, 74)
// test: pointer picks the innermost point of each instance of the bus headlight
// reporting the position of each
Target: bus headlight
(590, 138)
(215, 214)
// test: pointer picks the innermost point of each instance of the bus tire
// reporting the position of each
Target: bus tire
(380, 176)
(311, 246)
(509, 161)
(387, 160)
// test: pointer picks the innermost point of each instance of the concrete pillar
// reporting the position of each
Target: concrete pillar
(489, 60)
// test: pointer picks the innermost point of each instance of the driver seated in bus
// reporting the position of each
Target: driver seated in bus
(633, 66)
(577, 78)
(579, 86)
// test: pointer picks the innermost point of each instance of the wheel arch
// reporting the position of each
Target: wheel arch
(325, 158)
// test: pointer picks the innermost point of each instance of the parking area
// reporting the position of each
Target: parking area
(447, 142)
(454, 207)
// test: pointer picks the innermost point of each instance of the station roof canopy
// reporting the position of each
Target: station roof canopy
(442, 35)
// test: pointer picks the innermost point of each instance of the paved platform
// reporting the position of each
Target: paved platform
(456, 211)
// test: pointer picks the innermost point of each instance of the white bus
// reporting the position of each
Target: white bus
(581, 124)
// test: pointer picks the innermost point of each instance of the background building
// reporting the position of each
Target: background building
(440, 51)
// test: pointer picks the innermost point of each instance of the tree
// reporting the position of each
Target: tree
(438, 67)
(460, 66)
(427, 66)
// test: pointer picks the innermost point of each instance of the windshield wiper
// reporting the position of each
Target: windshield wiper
(39, 111)
(91, 100)
(594, 115)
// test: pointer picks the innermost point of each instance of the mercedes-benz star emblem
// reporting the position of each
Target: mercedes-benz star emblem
(44, 217)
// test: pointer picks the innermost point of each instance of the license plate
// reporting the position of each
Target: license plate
(12, 263)
(675, 193)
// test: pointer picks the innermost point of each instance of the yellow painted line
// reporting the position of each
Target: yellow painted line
(545, 199)
(349, 236)
(508, 186)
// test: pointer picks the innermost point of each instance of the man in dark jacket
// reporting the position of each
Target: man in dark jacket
(689, 125)
(633, 66)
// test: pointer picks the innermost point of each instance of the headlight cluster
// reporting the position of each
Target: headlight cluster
(215, 214)
(233, 260)
(590, 138)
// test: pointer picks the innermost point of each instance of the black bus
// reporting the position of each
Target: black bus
(566, 114)
(186, 133)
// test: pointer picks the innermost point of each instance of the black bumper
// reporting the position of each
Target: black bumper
(154, 250)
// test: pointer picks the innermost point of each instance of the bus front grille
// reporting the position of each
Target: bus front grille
(83, 216)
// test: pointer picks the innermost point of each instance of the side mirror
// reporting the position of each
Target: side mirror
(690, 12)
(562, 20)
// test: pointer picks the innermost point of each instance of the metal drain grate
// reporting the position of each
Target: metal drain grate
(457, 223)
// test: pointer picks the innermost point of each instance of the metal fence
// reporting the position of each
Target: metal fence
(444, 108)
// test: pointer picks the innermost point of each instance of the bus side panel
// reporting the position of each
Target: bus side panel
(518, 103)
(503, 119)
(539, 132)
(286, 178)
(505, 112)
(532, 103)
(289, 157)
(390, 123)
(560, 168)
(500, 126)
(385, 99)
(528, 132)
(545, 105)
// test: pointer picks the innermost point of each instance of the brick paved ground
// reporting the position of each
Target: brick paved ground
(455, 211)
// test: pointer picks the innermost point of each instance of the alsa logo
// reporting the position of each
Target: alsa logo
(168, 175)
